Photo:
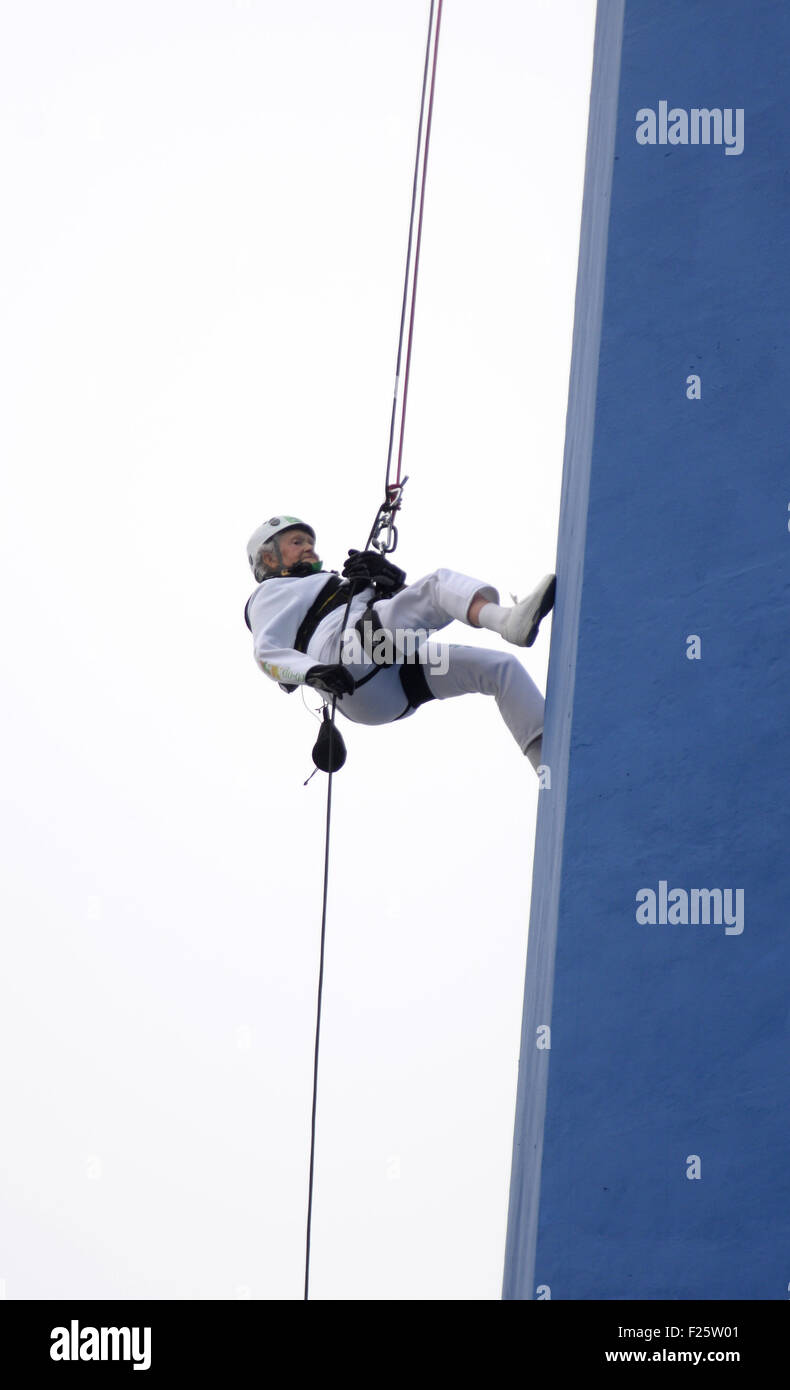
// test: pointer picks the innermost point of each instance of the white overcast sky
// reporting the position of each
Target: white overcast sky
(205, 217)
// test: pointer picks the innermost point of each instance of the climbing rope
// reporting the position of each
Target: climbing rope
(318, 1023)
(385, 518)
(393, 491)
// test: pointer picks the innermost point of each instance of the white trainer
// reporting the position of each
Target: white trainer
(522, 622)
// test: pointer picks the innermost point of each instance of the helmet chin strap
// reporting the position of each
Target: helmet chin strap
(303, 568)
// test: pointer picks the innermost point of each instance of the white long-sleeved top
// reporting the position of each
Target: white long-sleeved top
(275, 611)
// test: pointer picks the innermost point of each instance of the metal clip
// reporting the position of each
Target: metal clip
(386, 518)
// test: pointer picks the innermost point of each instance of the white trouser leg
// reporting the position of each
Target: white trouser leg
(432, 602)
(418, 610)
(482, 671)
(426, 606)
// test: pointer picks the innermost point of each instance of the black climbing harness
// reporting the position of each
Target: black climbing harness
(334, 594)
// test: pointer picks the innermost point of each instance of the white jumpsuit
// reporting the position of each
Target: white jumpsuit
(277, 607)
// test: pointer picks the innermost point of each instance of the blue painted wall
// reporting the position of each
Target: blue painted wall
(668, 1041)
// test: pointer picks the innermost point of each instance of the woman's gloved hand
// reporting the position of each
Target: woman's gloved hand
(372, 568)
(333, 679)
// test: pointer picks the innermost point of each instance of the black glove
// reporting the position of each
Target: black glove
(330, 680)
(373, 568)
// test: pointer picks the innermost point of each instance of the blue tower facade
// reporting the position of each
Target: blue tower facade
(652, 1137)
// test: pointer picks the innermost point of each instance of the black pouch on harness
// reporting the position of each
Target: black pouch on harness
(329, 752)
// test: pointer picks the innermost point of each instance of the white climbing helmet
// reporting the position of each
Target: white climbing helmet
(271, 528)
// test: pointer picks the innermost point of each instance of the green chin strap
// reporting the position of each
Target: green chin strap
(301, 569)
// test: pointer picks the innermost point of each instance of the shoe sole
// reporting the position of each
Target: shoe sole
(545, 606)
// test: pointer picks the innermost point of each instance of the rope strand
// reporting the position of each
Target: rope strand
(419, 241)
(318, 1020)
(405, 296)
(367, 545)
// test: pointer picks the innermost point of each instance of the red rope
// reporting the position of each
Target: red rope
(419, 240)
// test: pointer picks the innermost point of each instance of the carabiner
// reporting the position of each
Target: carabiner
(386, 518)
